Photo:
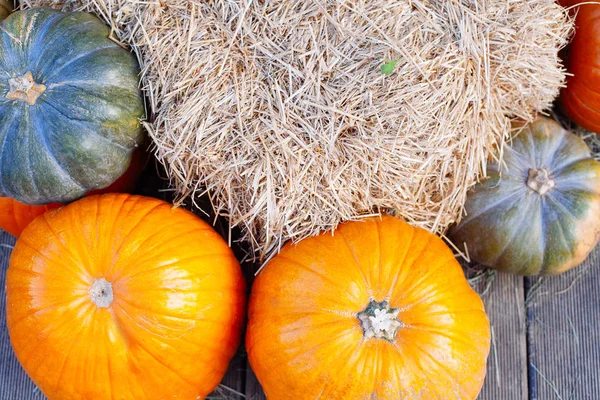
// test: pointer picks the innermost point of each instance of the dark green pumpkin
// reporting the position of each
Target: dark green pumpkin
(5, 9)
(541, 213)
(70, 106)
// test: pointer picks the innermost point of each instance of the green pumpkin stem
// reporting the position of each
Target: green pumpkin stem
(540, 181)
(24, 88)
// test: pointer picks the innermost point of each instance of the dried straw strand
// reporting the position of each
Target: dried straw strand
(280, 111)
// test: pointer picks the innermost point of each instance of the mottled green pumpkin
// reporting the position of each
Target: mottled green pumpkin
(5, 9)
(70, 106)
(539, 214)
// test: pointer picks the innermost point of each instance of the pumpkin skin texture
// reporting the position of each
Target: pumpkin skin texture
(309, 334)
(15, 216)
(126, 183)
(70, 106)
(580, 99)
(123, 297)
(542, 215)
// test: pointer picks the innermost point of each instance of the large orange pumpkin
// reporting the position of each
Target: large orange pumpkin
(580, 99)
(15, 216)
(378, 310)
(123, 297)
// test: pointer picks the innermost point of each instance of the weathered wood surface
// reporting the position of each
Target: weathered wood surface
(232, 386)
(253, 388)
(14, 383)
(563, 315)
(504, 300)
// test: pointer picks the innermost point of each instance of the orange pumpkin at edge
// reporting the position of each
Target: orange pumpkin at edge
(565, 3)
(121, 296)
(580, 98)
(379, 309)
(15, 216)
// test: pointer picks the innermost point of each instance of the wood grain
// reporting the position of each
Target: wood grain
(253, 389)
(563, 314)
(504, 300)
(14, 382)
(232, 386)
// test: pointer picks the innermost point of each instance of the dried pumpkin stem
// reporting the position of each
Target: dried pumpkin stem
(25, 88)
(540, 181)
(379, 320)
(101, 293)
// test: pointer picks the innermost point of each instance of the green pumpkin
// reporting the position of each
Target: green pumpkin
(5, 9)
(539, 214)
(70, 106)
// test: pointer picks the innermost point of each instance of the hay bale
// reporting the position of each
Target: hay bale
(280, 111)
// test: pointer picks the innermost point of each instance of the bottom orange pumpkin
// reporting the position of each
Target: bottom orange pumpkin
(123, 297)
(378, 310)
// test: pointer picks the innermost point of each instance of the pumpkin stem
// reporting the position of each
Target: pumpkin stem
(24, 88)
(539, 180)
(101, 293)
(379, 320)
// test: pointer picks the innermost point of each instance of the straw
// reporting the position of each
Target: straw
(281, 112)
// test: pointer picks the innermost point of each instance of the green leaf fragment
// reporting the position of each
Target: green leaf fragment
(388, 67)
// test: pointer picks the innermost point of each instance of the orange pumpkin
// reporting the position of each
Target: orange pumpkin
(15, 216)
(123, 297)
(580, 99)
(378, 310)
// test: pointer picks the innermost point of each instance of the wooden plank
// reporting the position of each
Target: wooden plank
(232, 386)
(563, 314)
(253, 389)
(504, 300)
(14, 382)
